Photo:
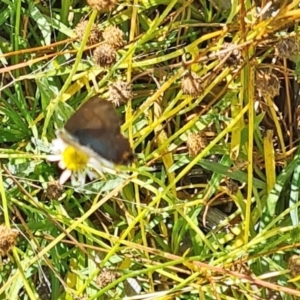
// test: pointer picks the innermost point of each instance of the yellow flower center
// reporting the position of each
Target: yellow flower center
(74, 159)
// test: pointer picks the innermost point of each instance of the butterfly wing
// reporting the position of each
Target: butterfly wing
(96, 113)
(114, 148)
(96, 125)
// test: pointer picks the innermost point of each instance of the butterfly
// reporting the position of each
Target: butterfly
(95, 129)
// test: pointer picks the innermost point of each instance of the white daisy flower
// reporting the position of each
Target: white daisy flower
(76, 163)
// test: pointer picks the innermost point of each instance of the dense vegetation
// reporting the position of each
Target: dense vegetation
(208, 95)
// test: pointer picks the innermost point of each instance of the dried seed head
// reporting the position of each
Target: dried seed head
(7, 239)
(191, 84)
(195, 143)
(287, 47)
(233, 55)
(294, 265)
(105, 55)
(95, 34)
(114, 36)
(54, 190)
(102, 5)
(106, 277)
(120, 92)
(267, 85)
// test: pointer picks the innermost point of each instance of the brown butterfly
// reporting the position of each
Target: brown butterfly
(95, 127)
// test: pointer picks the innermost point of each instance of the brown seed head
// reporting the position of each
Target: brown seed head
(195, 143)
(106, 277)
(105, 55)
(267, 85)
(54, 190)
(95, 34)
(294, 265)
(287, 47)
(191, 84)
(7, 239)
(114, 36)
(120, 92)
(102, 5)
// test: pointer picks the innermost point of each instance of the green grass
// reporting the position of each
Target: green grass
(140, 234)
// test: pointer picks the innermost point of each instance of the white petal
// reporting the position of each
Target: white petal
(61, 164)
(81, 178)
(65, 175)
(92, 175)
(100, 164)
(74, 181)
(58, 145)
(54, 157)
(78, 179)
